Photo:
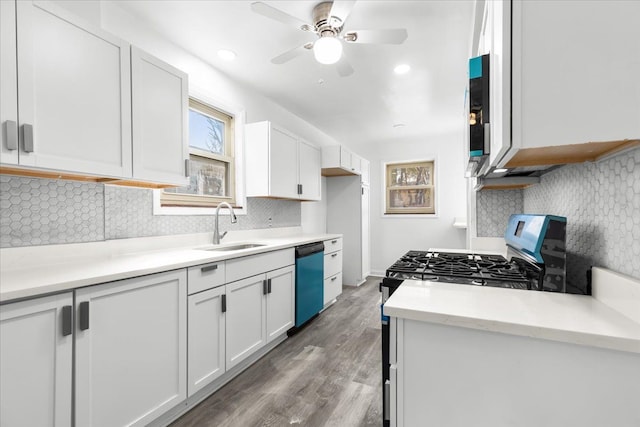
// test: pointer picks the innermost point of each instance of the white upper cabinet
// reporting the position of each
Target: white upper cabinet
(160, 100)
(74, 100)
(8, 84)
(280, 165)
(366, 172)
(574, 79)
(340, 161)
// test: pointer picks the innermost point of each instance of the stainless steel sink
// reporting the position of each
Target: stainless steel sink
(234, 247)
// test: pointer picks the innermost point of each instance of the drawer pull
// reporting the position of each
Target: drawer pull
(334, 255)
(333, 242)
(209, 268)
(334, 278)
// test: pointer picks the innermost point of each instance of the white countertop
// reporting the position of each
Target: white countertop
(577, 319)
(33, 271)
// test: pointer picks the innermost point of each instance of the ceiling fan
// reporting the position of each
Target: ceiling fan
(328, 24)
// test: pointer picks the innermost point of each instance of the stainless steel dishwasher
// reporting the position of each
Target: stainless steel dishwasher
(309, 281)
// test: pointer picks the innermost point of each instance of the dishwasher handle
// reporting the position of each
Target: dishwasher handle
(309, 249)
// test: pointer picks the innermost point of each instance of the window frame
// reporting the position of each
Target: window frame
(420, 212)
(236, 184)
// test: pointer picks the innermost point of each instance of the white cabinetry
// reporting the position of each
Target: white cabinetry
(160, 120)
(280, 165)
(280, 299)
(36, 348)
(75, 102)
(332, 269)
(348, 214)
(131, 349)
(574, 79)
(75, 112)
(339, 161)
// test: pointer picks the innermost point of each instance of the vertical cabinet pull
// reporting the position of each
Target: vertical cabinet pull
(67, 316)
(224, 303)
(11, 130)
(268, 286)
(84, 315)
(264, 287)
(27, 135)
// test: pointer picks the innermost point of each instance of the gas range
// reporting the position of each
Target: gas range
(463, 268)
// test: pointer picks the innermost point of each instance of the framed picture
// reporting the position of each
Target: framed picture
(410, 188)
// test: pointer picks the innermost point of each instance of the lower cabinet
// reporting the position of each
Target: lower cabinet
(131, 349)
(280, 299)
(36, 349)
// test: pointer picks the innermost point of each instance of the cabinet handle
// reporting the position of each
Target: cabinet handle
(67, 316)
(334, 278)
(268, 286)
(209, 268)
(334, 255)
(187, 172)
(333, 242)
(11, 129)
(224, 303)
(84, 315)
(27, 135)
(264, 287)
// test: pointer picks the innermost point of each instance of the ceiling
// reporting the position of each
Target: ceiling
(361, 108)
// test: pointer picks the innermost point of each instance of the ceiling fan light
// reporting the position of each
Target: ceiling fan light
(327, 50)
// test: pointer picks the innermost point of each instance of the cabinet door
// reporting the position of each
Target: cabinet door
(366, 242)
(246, 317)
(280, 302)
(356, 164)
(365, 172)
(345, 158)
(8, 84)
(283, 158)
(310, 161)
(75, 93)
(160, 106)
(36, 362)
(131, 349)
(206, 338)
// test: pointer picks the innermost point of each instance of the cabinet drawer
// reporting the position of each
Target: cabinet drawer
(205, 276)
(332, 264)
(332, 245)
(240, 268)
(332, 287)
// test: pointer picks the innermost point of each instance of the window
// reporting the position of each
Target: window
(211, 160)
(410, 188)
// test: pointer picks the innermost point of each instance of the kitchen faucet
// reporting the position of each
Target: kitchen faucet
(216, 231)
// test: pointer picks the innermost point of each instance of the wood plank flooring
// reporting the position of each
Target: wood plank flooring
(326, 375)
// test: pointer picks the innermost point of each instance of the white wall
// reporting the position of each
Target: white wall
(393, 236)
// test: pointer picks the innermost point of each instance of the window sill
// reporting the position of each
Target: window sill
(158, 209)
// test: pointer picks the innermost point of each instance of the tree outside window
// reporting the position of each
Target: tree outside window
(410, 188)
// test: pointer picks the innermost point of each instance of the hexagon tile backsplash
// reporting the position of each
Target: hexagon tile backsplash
(602, 204)
(35, 211)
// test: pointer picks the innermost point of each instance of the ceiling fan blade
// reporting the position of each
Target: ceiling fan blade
(392, 36)
(290, 54)
(273, 13)
(341, 9)
(344, 67)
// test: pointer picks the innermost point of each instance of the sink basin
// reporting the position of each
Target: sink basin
(235, 247)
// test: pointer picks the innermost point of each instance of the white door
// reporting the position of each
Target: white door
(366, 242)
(280, 302)
(36, 362)
(246, 317)
(8, 84)
(131, 349)
(283, 163)
(310, 163)
(74, 93)
(160, 108)
(206, 341)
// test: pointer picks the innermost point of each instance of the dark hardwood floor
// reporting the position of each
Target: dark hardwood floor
(326, 375)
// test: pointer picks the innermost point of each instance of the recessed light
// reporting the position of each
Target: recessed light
(402, 69)
(226, 55)
(501, 170)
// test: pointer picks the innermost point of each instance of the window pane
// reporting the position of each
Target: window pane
(401, 176)
(410, 198)
(208, 178)
(206, 133)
